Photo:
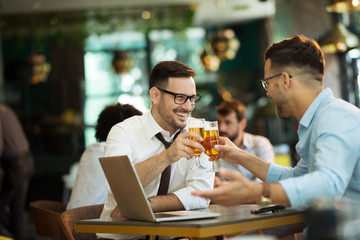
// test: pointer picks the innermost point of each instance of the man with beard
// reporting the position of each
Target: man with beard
(328, 146)
(173, 94)
(231, 117)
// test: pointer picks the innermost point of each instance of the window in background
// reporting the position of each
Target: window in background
(103, 86)
(181, 46)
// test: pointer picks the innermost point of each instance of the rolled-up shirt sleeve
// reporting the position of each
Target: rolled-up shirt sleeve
(200, 179)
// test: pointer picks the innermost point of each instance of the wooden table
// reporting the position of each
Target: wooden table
(233, 220)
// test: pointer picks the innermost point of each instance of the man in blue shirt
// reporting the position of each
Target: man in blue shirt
(329, 130)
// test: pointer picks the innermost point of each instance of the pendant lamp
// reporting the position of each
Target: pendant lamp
(342, 6)
(121, 62)
(339, 40)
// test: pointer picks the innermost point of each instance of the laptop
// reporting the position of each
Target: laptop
(130, 196)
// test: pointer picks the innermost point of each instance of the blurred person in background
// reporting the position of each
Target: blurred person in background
(231, 117)
(90, 187)
(17, 167)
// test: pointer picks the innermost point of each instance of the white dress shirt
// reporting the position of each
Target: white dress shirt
(89, 187)
(135, 137)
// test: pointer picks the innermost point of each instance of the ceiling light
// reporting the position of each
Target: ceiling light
(342, 6)
(339, 40)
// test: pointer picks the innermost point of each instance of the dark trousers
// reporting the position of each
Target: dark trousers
(12, 205)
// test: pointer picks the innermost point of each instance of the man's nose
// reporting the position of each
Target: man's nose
(188, 105)
(222, 127)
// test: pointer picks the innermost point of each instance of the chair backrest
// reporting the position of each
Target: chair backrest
(69, 217)
(46, 215)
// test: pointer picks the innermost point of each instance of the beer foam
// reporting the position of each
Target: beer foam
(195, 123)
(208, 127)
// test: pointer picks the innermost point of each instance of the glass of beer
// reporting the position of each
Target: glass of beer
(211, 138)
(196, 125)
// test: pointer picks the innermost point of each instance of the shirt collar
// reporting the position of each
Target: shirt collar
(153, 127)
(314, 106)
(247, 143)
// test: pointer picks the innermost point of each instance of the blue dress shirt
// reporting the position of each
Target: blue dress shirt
(329, 147)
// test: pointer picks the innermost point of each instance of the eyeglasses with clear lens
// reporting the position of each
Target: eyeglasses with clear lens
(182, 98)
(264, 81)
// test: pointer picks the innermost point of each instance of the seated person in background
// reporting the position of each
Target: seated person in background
(90, 187)
(17, 168)
(173, 94)
(328, 146)
(231, 117)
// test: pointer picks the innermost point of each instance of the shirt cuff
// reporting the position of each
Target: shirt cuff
(190, 201)
(273, 173)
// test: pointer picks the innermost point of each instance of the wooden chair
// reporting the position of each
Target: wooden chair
(46, 214)
(69, 217)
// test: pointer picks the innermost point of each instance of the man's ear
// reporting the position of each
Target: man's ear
(287, 81)
(154, 95)
(243, 123)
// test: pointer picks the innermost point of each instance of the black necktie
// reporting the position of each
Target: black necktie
(165, 176)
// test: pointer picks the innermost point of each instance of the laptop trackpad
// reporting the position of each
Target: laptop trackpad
(165, 215)
(178, 213)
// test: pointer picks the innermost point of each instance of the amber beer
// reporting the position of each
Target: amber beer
(199, 131)
(196, 125)
(211, 138)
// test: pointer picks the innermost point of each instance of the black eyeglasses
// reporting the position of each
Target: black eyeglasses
(264, 81)
(182, 98)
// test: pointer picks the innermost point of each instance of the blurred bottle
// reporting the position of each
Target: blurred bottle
(348, 227)
(322, 220)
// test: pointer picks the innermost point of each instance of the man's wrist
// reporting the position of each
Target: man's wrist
(165, 158)
(265, 198)
(266, 189)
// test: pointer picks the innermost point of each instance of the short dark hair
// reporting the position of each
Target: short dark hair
(111, 115)
(160, 74)
(298, 51)
(233, 105)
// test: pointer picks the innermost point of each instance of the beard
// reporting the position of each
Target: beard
(170, 116)
(231, 137)
(281, 106)
(280, 111)
(234, 136)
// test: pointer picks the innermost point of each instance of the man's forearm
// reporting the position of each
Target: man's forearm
(151, 168)
(255, 165)
(166, 203)
(278, 195)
